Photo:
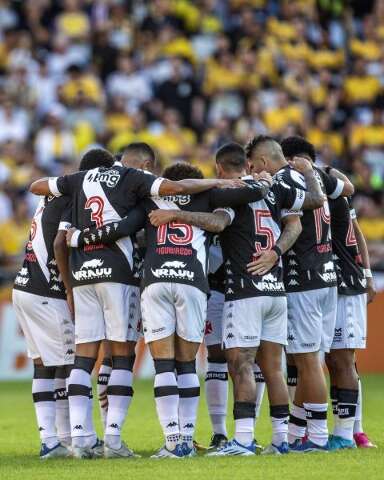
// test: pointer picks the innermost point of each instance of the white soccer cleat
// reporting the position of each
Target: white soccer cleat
(82, 452)
(165, 453)
(234, 448)
(59, 451)
(122, 452)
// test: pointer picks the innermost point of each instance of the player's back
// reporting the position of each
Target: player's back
(39, 273)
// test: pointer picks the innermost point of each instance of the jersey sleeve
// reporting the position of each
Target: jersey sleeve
(333, 186)
(109, 233)
(235, 197)
(291, 199)
(352, 211)
(229, 211)
(65, 185)
(144, 183)
(66, 217)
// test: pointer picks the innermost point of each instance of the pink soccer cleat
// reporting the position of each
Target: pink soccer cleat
(362, 440)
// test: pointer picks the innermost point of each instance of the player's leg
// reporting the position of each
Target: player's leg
(63, 424)
(121, 306)
(191, 309)
(361, 438)
(291, 376)
(89, 331)
(216, 379)
(273, 339)
(159, 326)
(260, 388)
(241, 337)
(189, 391)
(43, 330)
(103, 379)
(305, 330)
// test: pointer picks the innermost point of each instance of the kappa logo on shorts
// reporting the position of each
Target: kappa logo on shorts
(91, 269)
(230, 335)
(173, 270)
(291, 337)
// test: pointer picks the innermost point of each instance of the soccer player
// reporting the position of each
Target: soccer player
(42, 301)
(255, 311)
(174, 297)
(105, 287)
(310, 279)
(351, 320)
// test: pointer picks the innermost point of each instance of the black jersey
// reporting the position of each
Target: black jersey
(349, 267)
(256, 227)
(39, 274)
(216, 267)
(309, 265)
(101, 196)
(176, 252)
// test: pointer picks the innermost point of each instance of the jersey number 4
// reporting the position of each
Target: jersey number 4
(184, 239)
(96, 205)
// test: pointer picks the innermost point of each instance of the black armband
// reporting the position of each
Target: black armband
(277, 250)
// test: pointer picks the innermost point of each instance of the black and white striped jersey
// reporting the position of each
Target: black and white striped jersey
(309, 265)
(349, 266)
(256, 227)
(39, 274)
(101, 196)
(175, 252)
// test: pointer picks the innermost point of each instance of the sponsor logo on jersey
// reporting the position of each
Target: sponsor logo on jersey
(174, 270)
(91, 269)
(178, 199)
(109, 177)
(269, 283)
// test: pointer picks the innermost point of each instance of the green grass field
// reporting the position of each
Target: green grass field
(19, 446)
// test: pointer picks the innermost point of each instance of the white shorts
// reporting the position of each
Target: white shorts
(311, 320)
(47, 327)
(351, 322)
(173, 307)
(214, 323)
(107, 311)
(248, 321)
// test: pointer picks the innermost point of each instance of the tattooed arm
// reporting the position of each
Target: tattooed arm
(362, 244)
(314, 196)
(267, 259)
(212, 222)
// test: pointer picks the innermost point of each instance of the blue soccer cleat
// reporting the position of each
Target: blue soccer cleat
(177, 452)
(339, 443)
(307, 447)
(188, 451)
(272, 449)
(58, 451)
(233, 448)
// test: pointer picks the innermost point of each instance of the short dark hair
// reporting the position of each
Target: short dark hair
(181, 170)
(254, 143)
(96, 157)
(140, 148)
(296, 145)
(231, 156)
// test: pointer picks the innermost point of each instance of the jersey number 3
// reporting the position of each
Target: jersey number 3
(96, 205)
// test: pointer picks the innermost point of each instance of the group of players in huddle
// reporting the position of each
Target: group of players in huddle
(268, 256)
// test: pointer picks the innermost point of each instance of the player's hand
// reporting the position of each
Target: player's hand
(160, 217)
(263, 263)
(301, 164)
(71, 304)
(266, 176)
(69, 234)
(233, 183)
(371, 290)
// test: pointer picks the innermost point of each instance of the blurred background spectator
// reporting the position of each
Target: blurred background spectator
(187, 76)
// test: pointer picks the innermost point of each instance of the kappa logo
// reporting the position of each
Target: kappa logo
(52, 262)
(173, 270)
(230, 335)
(56, 288)
(189, 425)
(229, 290)
(293, 283)
(293, 273)
(229, 315)
(292, 262)
(172, 424)
(363, 282)
(114, 425)
(229, 271)
(109, 177)
(291, 253)
(291, 337)
(23, 271)
(92, 269)
(230, 281)
(230, 325)
(78, 427)
(70, 352)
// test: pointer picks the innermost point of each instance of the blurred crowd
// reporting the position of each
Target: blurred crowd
(187, 76)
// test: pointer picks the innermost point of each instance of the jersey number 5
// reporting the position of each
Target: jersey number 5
(263, 230)
(96, 205)
(184, 239)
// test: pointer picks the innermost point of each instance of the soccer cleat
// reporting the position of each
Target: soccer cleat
(307, 447)
(58, 451)
(199, 447)
(98, 449)
(218, 440)
(362, 440)
(165, 453)
(122, 452)
(233, 447)
(188, 451)
(339, 443)
(82, 452)
(272, 449)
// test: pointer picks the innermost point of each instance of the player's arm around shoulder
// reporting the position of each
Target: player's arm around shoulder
(314, 196)
(348, 187)
(214, 222)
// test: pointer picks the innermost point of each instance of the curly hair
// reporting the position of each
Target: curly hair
(96, 157)
(296, 145)
(181, 170)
